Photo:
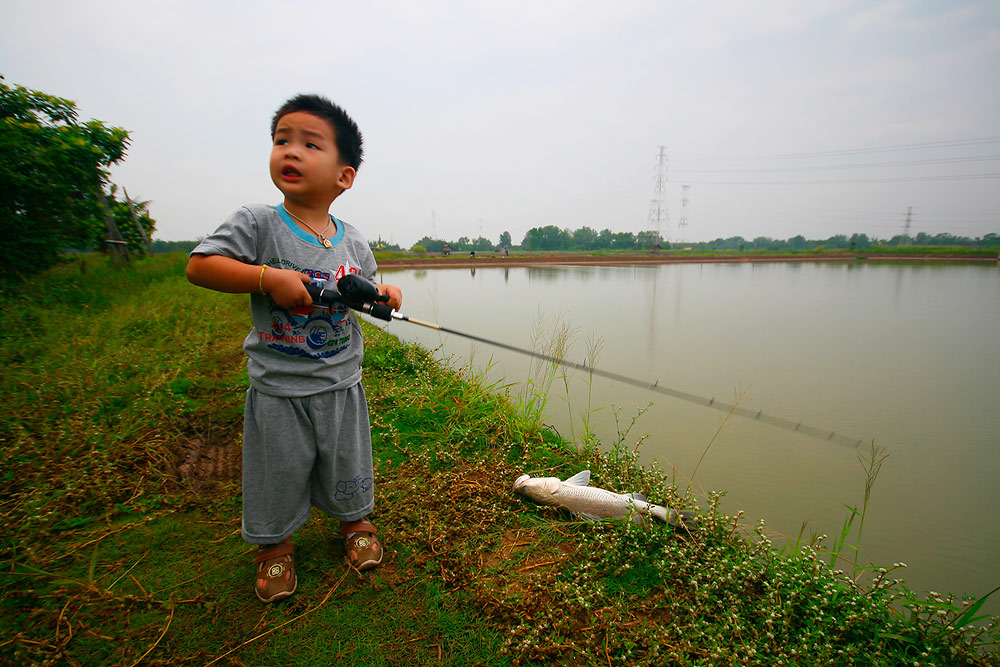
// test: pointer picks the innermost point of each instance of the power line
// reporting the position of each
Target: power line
(862, 165)
(979, 141)
(952, 143)
(899, 179)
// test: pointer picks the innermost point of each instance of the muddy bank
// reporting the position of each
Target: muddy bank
(488, 261)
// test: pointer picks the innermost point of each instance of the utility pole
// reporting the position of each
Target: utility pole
(138, 225)
(682, 225)
(658, 215)
(906, 225)
(117, 247)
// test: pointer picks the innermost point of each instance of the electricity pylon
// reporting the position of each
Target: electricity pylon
(659, 217)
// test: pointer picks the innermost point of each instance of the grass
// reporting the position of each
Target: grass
(119, 447)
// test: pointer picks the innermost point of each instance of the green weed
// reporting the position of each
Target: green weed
(550, 337)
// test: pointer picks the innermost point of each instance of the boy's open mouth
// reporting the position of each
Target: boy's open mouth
(290, 171)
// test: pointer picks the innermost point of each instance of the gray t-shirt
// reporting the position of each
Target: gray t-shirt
(297, 352)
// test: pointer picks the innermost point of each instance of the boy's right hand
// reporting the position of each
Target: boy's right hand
(287, 287)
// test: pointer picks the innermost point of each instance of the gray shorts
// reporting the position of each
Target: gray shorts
(299, 452)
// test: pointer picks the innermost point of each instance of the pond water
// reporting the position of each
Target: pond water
(905, 355)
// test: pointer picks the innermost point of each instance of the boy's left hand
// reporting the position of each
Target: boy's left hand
(395, 295)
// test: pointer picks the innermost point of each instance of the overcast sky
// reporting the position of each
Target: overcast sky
(788, 117)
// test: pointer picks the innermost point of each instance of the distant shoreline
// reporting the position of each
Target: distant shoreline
(492, 261)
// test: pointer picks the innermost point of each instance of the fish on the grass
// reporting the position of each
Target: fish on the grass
(592, 503)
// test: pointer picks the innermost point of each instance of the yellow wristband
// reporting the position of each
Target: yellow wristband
(260, 280)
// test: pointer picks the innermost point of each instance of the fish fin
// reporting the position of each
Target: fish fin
(586, 517)
(638, 496)
(581, 478)
(685, 519)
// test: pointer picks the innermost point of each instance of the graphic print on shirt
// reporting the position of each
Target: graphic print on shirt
(317, 333)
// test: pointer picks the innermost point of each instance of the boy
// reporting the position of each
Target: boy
(306, 435)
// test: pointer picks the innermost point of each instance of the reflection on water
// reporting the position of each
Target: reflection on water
(904, 355)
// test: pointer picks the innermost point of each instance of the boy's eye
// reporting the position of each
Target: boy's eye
(311, 145)
(280, 142)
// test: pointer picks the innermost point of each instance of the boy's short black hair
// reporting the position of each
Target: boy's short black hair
(345, 130)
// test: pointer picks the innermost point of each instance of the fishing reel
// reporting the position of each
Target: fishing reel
(354, 292)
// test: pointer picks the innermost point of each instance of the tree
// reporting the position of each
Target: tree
(648, 239)
(379, 244)
(430, 245)
(623, 241)
(549, 237)
(126, 223)
(505, 239)
(860, 242)
(584, 238)
(482, 243)
(732, 243)
(837, 241)
(51, 169)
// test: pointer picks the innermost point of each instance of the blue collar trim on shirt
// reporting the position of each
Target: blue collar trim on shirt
(305, 236)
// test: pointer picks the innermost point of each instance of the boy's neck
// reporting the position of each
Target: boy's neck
(314, 214)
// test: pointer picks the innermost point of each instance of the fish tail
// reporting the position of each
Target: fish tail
(660, 512)
(657, 511)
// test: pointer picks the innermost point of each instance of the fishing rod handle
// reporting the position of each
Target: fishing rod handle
(377, 310)
(326, 297)
(356, 289)
(362, 295)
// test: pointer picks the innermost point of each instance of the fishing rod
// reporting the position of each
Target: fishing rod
(359, 294)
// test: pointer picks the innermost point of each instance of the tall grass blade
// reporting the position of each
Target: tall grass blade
(967, 617)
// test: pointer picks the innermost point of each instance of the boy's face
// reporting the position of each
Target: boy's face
(305, 163)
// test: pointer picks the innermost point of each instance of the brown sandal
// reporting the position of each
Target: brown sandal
(275, 572)
(363, 549)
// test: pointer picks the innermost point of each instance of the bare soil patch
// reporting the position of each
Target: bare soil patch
(204, 466)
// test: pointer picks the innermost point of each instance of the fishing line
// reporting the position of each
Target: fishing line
(361, 295)
(755, 415)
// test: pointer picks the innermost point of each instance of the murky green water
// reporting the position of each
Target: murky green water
(906, 355)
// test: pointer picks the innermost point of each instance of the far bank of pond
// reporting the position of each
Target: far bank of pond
(498, 260)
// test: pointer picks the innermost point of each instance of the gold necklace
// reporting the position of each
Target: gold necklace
(322, 239)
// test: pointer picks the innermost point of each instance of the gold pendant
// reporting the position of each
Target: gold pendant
(326, 242)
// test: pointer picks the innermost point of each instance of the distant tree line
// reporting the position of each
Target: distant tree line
(463, 244)
(844, 242)
(173, 246)
(552, 238)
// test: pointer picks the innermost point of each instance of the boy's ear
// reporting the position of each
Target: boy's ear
(346, 178)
